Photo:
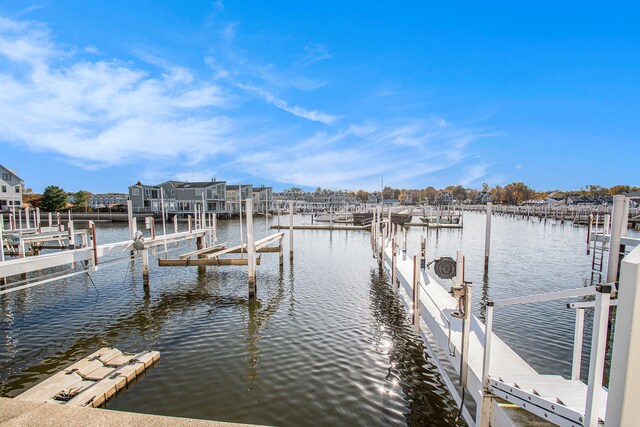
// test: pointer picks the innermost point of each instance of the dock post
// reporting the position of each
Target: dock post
(291, 229)
(94, 244)
(624, 394)
(26, 217)
(50, 222)
(251, 249)
(416, 294)
(404, 240)
(175, 224)
(72, 239)
(487, 238)
(466, 321)
(200, 244)
(598, 350)
(617, 221)
(145, 267)
(3, 280)
(394, 266)
(130, 219)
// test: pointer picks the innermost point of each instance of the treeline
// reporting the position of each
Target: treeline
(516, 192)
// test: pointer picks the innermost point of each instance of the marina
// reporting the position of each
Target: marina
(277, 285)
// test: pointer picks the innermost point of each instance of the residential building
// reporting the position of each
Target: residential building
(11, 189)
(106, 200)
(179, 197)
(262, 199)
(235, 194)
(444, 198)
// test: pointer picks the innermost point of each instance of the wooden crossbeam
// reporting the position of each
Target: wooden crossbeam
(203, 251)
(201, 262)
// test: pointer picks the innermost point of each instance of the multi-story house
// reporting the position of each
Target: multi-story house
(11, 189)
(179, 197)
(262, 199)
(235, 195)
(108, 199)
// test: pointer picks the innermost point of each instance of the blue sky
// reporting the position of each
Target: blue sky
(98, 95)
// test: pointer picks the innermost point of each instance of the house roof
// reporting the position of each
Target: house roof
(139, 184)
(235, 187)
(12, 172)
(203, 184)
(256, 189)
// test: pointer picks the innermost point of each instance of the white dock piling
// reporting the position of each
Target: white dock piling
(487, 237)
(617, 220)
(394, 266)
(251, 249)
(291, 229)
(164, 225)
(1, 238)
(624, 393)
(145, 267)
(130, 219)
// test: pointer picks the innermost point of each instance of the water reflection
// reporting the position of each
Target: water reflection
(410, 371)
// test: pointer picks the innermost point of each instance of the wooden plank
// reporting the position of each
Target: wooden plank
(203, 251)
(204, 262)
(50, 387)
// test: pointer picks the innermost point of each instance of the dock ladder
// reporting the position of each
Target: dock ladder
(597, 244)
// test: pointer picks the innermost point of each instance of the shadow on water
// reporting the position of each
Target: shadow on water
(411, 369)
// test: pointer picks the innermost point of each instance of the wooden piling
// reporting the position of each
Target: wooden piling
(416, 294)
(200, 245)
(145, 267)
(487, 237)
(291, 229)
(394, 266)
(251, 249)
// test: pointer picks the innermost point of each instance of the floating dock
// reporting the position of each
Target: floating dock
(93, 380)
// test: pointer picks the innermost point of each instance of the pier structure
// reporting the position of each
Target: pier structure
(493, 385)
(85, 258)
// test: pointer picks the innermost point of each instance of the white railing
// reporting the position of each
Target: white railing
(598, 339)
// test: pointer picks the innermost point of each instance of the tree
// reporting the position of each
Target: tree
(618, 189)
(387, 193)
(430, 194)
(54, 198)
(81, 199)
(362, 195)
(459, 193)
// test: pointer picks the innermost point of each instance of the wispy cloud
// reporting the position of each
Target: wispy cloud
(106, 112)
(172, 123)
(313, 115)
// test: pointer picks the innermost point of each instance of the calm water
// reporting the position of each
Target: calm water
(326, 343)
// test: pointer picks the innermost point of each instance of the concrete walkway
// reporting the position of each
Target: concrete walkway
(21, 413)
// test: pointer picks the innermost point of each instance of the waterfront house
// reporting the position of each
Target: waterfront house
(444, 198)
(11, 189)
(179, 196)
(262, 199)
(235, 194)
(106, 200)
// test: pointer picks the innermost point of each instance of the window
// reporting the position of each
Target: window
(17, 189)
(6, 177)
(146, 191)
(4, 188)
(135, 191)
(173, 192)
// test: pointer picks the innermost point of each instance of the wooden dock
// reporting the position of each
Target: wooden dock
(93, 380)
(322, 227)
